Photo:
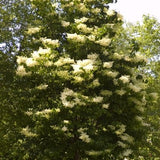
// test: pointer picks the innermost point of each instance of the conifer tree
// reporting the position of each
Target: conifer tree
(81, 98)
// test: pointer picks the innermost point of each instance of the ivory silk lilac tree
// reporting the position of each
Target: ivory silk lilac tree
(82, 99)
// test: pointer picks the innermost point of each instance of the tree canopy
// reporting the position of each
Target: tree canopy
(74, 82)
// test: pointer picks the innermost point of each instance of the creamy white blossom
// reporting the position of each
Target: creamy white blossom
(95, 10)
(120, 92)
(96, 83)
(35, 55)
(91, 37)
(78, 79)
(65, 24)
(43, 51)
(83, 27)
(105, 106)
(121, 144)
(42, 87)
(64, 128)
(67, 92)
(55, 5)
(154, 95)
(62, 61)
(81, 20)
(108, 64)
(44, 113)
(112, 74)
(127, 152)
(117, 56)
(66, 121)
(98, 99)
(93, 56)
(86, 64)
(33, 30)
(47, 41)
(83, 8)
(140, 57)
(126, 137)
(125, 78)
(21, 59)
(119, 16)
(76, 38)
(110, 12)
(104, 42)
(121, 130)
(135, 88)
(21, 71)
(26, 131)
(48, 63)
(57, 110)
(84, 137)
(30, 62)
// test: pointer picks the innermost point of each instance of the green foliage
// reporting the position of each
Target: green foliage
(146, 34)
(77, 93)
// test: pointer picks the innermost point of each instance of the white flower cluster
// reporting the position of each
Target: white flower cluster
(97, 99)
(26, 131)
(47, 41)
(67, 92)
(108, 64)
(36, 55)
(121, 130)
(95, 10)
(83, 135)
(21, 59)
(81, 20)
(127, 152)
(109, 12)
(76, 38)
(120, 92)
(74, 98)
(83, 28)
(44, 113)
(65, 24)
(21, 71)
(78, 79)
(30, 62)
(125, 78)
(104, 42)
(42, 87)
(140, 57)
(92, 56)
(86, 64)
(105, 106)
(83, 8)
(91, 38)
(33, 30)
(135, 88)
(154, 95)
(112, 74)
(117, 56)
(121, 144)
(62, 61)
(126, 137)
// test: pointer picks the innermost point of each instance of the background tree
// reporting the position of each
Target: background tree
(145, 36)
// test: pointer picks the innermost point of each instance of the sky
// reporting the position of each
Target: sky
(132, 10)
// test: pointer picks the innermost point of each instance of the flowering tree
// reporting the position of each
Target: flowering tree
(83, 97)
